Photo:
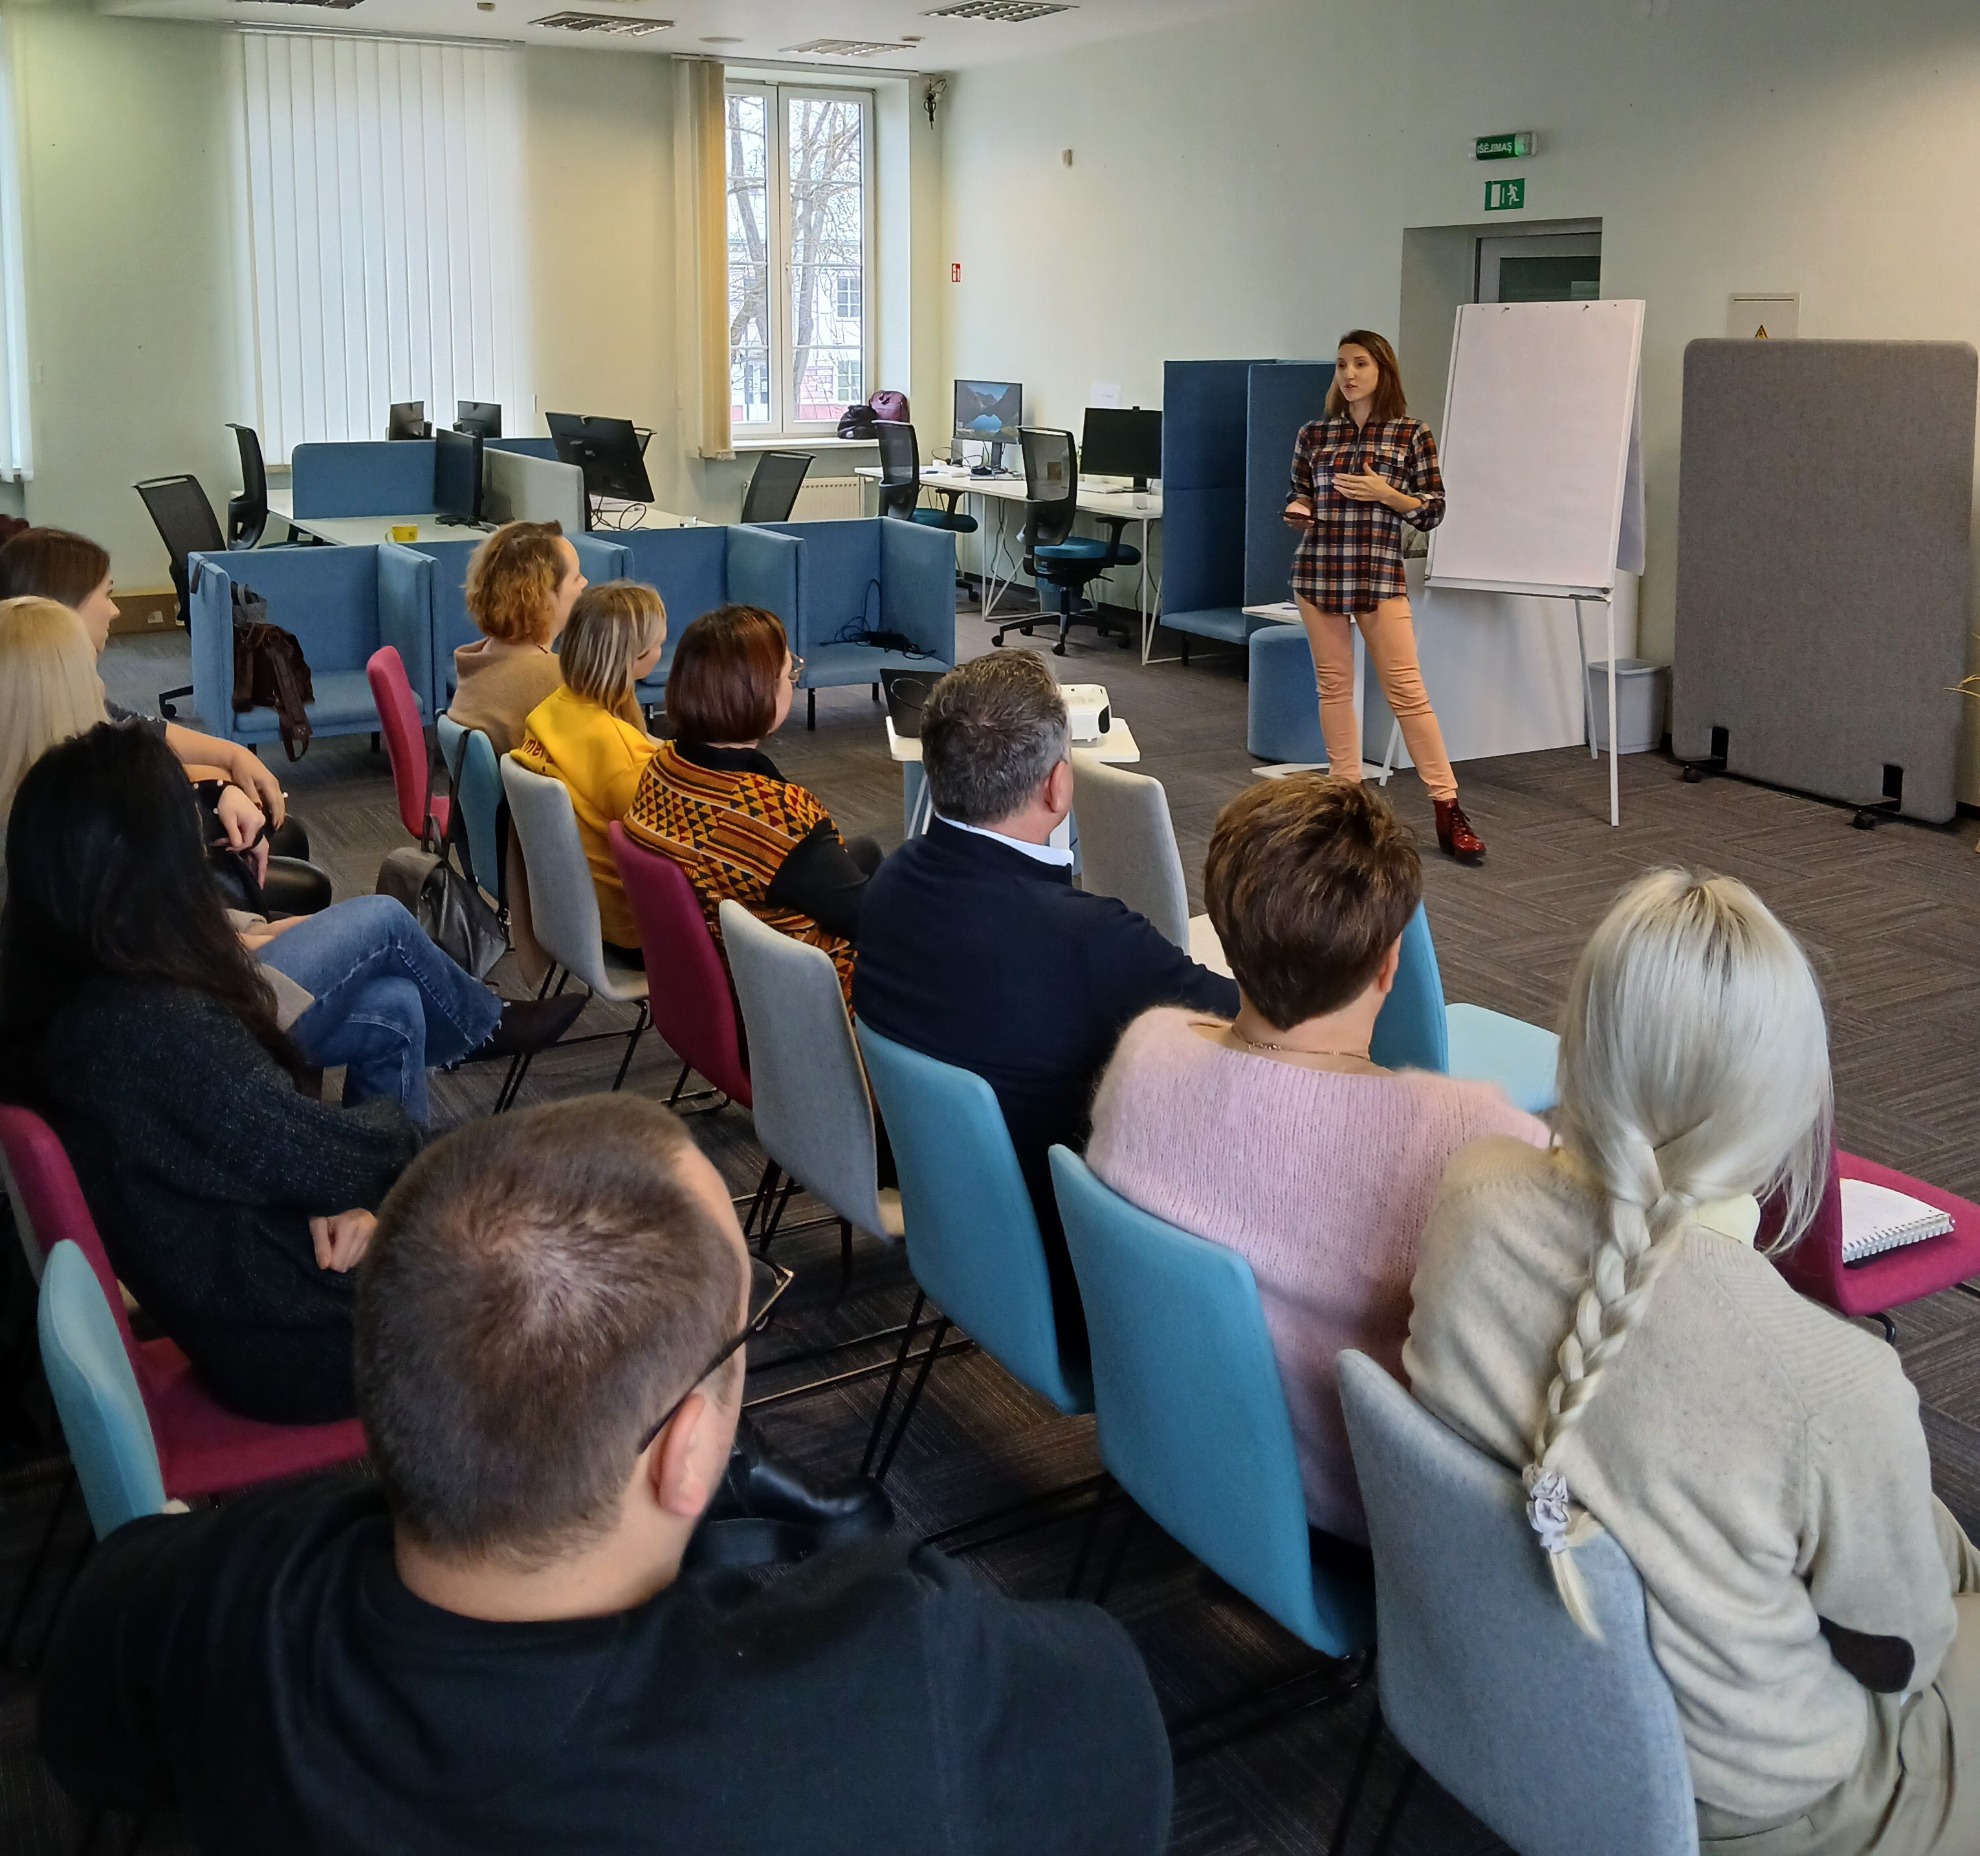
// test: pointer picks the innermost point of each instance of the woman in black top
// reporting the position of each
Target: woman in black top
(232, 1206)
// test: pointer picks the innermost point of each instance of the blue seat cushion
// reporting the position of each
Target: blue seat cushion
(957, 522)
(1076, 548)
(343, 706)
(1489, 1047)
(828, 666)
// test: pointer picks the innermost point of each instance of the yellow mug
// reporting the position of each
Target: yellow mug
(405, 531)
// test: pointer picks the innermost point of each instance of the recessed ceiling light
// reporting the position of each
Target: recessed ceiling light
(617, 24)
(845, 48)
(721, 39)
(1010, 12)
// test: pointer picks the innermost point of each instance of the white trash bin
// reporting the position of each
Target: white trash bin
(1643, 693)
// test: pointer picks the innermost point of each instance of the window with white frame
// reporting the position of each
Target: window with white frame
(16, 439)
(800, 179)
(383, 188)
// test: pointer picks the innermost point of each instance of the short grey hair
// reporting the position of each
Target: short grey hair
(992, 730)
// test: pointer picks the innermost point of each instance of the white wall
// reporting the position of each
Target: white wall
(1243, 188)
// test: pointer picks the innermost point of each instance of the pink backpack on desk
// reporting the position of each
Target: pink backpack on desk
(891, 406)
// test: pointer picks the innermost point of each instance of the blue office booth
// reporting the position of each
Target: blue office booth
(695, 570)
(341, 604)
(860, 578)
(365, 478)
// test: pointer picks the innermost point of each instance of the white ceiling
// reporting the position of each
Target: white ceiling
(761, 29)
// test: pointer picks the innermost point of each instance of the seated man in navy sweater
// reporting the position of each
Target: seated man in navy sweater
(495, 1646)
(976, 948)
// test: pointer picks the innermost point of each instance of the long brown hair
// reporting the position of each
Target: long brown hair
(52, 563)
(1388, 402)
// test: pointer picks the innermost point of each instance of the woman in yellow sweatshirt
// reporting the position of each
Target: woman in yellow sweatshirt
(589, 734)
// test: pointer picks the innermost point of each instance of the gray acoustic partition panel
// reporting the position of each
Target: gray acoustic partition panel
(1281, 397)
(1824, 563)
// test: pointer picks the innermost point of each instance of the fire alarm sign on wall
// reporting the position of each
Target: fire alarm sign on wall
(955, 273)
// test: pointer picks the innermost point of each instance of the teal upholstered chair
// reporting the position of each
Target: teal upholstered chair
(972, 1236)
(484, 808)
(1054, 556)
(1560, 1745)
(96, 1394)
(1418, 1031)
(1191, 1413)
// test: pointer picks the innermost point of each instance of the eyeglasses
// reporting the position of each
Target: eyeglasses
(767, 1283)
(796, 670)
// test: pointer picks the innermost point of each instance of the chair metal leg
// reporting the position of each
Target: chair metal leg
(776, 1217)
(1400, 1803)
(765, 1185)
(49, 1530)
(1129, 1528)
(1364, 1762)
(893, 1382)
(1884, 1321)
(913, 1400)
(811, 708)
(632, 1044)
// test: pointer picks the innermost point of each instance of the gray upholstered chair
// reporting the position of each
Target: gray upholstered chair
(814, 1118)
(562, 902)
(1127, 844)
(1560, 1745)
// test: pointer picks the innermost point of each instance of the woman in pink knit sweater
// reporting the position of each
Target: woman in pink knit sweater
(1275, 1134)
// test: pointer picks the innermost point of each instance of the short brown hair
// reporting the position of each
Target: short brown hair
(1309, 882)
(723, 684)
(512, 581)
(1388, 402)
(610, 626)
(52, 563)
(538, 1290)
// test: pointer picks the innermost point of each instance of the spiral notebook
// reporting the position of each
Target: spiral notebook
(1875, 1219)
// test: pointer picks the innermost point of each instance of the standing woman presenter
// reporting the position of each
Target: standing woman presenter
(1358, 474)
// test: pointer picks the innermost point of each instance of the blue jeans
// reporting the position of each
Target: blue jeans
(389, 1004)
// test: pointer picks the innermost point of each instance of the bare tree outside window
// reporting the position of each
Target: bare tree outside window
(799, 195)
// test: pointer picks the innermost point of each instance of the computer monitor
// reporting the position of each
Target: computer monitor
(989, 411)
(457, 478)
(607, 451)
(1121, 442)
(481, 417)
(408, 420)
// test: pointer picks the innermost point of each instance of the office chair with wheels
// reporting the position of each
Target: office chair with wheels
(774, 485)
(901, 485)
(1053, 555)
(187, 526)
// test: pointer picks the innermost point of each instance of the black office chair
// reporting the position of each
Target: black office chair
(774, 485)
(247, 513)
(1053, 555)
(186, 525)
(901, 485)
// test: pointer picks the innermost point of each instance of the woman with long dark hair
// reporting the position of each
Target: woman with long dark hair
(1358, 474)
(131, 1015)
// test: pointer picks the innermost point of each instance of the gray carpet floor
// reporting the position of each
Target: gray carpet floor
(1888, 916)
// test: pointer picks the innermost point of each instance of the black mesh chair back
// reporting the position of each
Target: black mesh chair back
(247, 513)
(1051, 486)
(185, 522)
(774, 485)
(900, 469)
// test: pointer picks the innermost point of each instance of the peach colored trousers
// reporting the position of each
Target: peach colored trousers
(1391, 642)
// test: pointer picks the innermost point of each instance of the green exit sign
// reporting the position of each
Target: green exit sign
(1510, 146)
(1505, 196)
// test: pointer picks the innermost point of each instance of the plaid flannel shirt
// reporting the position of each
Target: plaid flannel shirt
(1350, 559)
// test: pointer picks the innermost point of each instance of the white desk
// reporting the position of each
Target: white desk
(1137, 507)
(1117, 745)
(370, 531)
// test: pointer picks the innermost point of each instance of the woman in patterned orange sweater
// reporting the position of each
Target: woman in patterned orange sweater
(1358, 474)
(715, 803)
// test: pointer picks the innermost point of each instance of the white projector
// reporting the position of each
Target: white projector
(1087, 714)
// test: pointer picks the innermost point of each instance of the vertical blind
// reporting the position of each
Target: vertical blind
(16, 444)
(383, 188)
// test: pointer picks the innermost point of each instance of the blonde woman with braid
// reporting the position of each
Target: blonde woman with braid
(1600, 1319)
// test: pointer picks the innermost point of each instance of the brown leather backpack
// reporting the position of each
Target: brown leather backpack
(270, 671)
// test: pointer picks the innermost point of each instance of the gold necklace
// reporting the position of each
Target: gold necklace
(1295, 1050)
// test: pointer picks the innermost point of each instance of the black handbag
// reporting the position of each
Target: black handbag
(446, 902)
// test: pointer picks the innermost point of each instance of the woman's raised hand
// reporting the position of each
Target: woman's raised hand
(1366, 487)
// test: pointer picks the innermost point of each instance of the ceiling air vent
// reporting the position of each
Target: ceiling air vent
(620, 24)
(1010, 12)
(846, 48)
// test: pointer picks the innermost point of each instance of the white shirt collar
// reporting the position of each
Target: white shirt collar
(1041, 853)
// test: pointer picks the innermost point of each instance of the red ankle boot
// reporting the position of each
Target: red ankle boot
(1454, 834)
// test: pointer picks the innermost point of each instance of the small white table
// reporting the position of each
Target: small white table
(1139, 507)
(1117, 745)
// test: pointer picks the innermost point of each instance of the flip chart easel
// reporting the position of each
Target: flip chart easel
(1542, 449)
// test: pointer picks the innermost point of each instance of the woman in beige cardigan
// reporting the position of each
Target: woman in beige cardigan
(1599, 1318)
